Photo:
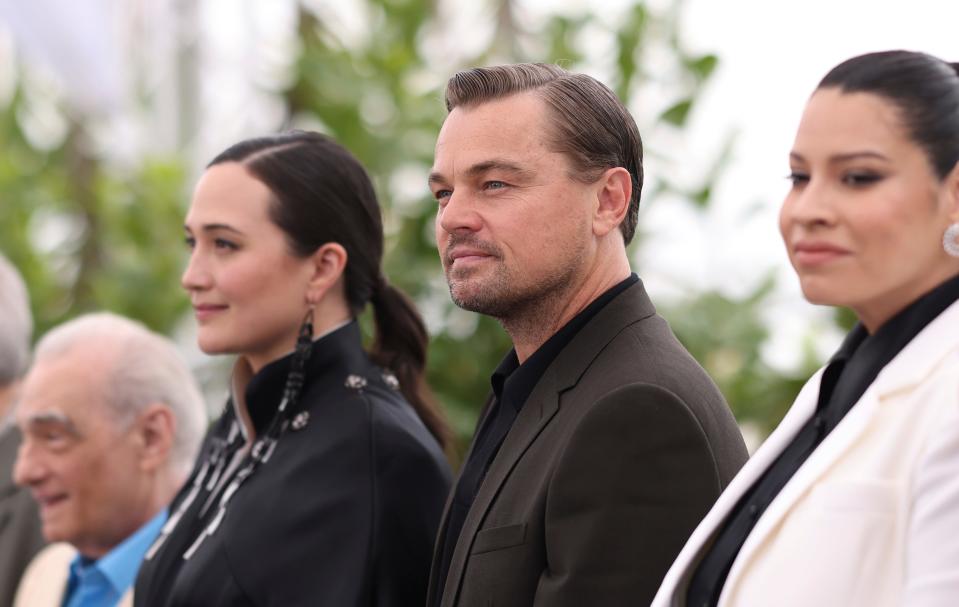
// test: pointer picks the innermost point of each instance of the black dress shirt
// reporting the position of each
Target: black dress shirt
(512, 384)
(847, 376)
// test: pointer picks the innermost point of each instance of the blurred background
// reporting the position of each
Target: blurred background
(109, 109)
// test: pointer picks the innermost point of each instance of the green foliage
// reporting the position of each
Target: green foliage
(89, 236)
(726, 336)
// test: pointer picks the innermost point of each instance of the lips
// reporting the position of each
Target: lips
(206, 311)
(465, 251)
(466, 256)
(816, 253)
(49, 502)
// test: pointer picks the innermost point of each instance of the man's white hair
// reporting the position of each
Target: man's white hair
(16, 324)
(145, 368)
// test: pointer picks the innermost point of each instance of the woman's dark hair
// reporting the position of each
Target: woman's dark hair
(321, 193)
(925, 90)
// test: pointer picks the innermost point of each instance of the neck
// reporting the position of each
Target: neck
(875, 314)
(530, 327)
(161, 489)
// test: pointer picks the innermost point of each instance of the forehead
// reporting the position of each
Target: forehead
(228, 193)
(514, 128)
(837, 122)
(68, 387)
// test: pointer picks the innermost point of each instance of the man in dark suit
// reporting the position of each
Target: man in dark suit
(603, 443)
(20, 536)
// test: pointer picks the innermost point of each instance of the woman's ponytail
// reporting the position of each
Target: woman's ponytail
(400, 345)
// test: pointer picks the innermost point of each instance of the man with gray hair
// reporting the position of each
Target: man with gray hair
(111, 421)
(603, 443)
(20, 536)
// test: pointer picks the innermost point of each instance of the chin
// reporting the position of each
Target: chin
(211, 345)
(53, 533)
(822, 290)
(821, 296)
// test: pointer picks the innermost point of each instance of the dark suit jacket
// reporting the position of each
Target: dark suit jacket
(20, 536)
(620, 450)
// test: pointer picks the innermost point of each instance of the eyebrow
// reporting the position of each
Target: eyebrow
(53, 417)
(846, 157)
(484, 167)
(213, 227)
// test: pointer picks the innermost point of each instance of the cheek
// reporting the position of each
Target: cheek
(258, 281)
(785, 219)
(439, 234)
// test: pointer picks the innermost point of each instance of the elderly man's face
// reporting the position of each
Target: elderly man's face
(81, 464)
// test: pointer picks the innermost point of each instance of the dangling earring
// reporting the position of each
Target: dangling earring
(301, 354)
(950, 240)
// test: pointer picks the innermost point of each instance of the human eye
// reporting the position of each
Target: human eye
(860, 178)
(223, 244)
(190, 242)
(53, 438)
(798, 178)
(494, 185)
(442, 196)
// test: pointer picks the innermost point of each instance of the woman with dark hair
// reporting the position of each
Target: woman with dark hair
(323, 481)
(854, 499)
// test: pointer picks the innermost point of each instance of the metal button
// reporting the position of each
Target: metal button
(355, 382)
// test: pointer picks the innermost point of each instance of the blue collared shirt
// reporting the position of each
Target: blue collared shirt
(102, 582)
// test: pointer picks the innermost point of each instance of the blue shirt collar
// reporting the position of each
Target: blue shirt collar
(120, 565)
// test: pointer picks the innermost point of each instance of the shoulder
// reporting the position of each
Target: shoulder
(404, 447)
(639, 409)
(45, 579)
(361, 421)
(647, 381)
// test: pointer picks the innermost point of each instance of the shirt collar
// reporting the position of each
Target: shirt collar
(513, 382)
(862, 356)
(340, 348)
(120, 565)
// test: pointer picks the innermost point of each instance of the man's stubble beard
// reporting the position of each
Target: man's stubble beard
(520, 307)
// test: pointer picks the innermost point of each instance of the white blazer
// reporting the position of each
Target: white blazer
(871, 519)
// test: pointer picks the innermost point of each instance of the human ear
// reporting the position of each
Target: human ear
(614, 190)
(155, 428)
(327, 264)
(951, 192)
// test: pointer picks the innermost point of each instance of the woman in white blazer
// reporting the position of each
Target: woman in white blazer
(854, 499)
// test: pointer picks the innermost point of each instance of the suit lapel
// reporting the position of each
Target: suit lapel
(676, 577)
(839, 441)
(908, 368)
(536, 413)
(444, 519)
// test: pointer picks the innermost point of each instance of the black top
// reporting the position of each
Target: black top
(847, 376)
(343, 513)
(512, 384)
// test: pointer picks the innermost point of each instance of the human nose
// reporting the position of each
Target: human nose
(28, 469)
(459, 215)
(809, 205)
(195, 276)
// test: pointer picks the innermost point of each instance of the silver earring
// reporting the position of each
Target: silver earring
(950, 240)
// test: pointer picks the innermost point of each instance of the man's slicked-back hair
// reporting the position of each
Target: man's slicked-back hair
(590, 125)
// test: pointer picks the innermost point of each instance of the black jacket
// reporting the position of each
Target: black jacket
(344, 512)
(616, 455)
